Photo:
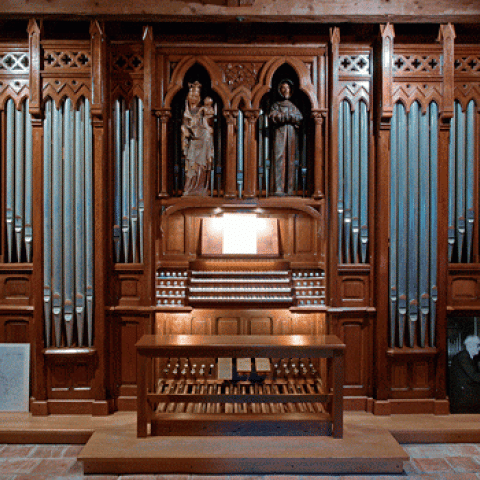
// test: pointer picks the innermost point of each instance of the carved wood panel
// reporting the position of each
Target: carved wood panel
(356, 332)
(126, 330)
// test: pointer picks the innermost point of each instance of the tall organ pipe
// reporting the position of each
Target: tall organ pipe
(413, 217)
(68, 224)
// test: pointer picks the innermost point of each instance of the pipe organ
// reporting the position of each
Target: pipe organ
(123, 147)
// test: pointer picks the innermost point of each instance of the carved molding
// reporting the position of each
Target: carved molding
(424, 94)
(240, 74)
(354, 92)
(58, 88)
(354, 64)
(464, 92)
(71, 60)
(404, 64)
(14, 62)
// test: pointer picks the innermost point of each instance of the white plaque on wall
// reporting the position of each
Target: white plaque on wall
(14, 377)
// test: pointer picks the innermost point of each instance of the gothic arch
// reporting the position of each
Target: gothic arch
(266, 77)
(176, 83)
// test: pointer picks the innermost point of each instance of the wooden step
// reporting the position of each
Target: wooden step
(363, 449)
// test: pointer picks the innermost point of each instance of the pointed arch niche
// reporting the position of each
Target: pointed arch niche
(305, 131)
(176, 159)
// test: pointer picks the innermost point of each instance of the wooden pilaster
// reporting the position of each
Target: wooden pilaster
(251, 171)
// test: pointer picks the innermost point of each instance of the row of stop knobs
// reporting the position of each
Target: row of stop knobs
(284, 367)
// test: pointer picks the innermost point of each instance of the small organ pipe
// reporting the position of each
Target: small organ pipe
(340, 181)
(19, 178)
(28, 184)
(364, 139)
(117, 181)
(89, 215)
(134, 179)
(10, 169)
(469, 174)
(47, 221)
(240, 148)
(141, 203)
(355, 183)
(80, 222)
(347, 171)
(126, 185)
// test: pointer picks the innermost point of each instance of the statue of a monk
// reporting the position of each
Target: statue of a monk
(197, 141)
(286, 119)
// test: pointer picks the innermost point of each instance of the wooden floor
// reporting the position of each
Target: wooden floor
(371, 444)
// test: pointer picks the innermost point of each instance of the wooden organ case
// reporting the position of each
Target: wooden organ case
(97, 137)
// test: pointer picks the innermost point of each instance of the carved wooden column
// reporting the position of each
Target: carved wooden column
(39, 389)
(447, 36)
(382, 216)
(102, 237)
(150, 160)
(251, 180)
(319, 156)
(231, 161)
(163, 117)
(332, 264)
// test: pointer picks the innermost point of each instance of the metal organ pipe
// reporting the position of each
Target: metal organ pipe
(18, 182)
(461, 186)
(68, 224)
(129, 184)
(413, 217)
(240, 148)
(352, 204)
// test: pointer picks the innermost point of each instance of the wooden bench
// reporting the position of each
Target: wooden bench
(152, 347)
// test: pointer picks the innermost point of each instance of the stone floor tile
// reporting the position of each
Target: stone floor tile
(431, 465)
(47, 451)
(442, 476)
(17, 451)
(137, 477)
(72, 450)
(32, 476)
(463, 449)
(17, 465)
(179, 476)
(463, 464)
(57, 466)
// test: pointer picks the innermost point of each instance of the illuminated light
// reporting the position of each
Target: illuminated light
(240, 234)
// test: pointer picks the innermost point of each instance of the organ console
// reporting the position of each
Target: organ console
(283, 287)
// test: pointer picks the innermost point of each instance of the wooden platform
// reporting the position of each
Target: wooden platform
(363, 449)
(374, 434)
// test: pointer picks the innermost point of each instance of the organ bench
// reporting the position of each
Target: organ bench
(188, 398)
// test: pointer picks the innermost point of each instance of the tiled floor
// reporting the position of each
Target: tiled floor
(42, 462)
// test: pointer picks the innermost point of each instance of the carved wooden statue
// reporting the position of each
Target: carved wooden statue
(197, 140)
(286, 118)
